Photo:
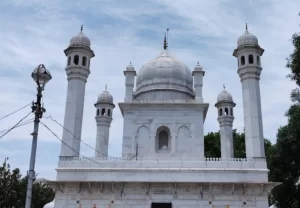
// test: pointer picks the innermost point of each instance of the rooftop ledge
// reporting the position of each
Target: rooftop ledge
(166, 163)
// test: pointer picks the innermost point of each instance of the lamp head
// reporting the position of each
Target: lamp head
(41, 75)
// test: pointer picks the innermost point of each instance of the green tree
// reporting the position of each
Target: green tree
(286, 162)
(212, 146)
(13, 189)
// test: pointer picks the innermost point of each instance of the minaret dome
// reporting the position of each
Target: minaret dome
(247, 39)
(105, 97)
(80, 39)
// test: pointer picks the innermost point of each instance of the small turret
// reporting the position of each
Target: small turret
(104, 106)
(129, 73)
(198, 74)
(225, 107)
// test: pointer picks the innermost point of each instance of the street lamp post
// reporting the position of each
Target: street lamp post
(41, 76)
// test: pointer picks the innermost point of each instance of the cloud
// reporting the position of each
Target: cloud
(35, 31)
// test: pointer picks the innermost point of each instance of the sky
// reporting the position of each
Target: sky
(37, 31)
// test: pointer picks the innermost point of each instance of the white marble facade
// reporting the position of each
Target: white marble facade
(163, 162)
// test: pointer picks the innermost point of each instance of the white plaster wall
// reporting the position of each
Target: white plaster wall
(163, 95)
(138, 199)
(253, 118)
(73, 117)
(226, 136)
(102, 140)
(153, 117)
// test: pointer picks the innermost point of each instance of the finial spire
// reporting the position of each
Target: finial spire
(105, 87)
(197, 62)
(81, 28)
(246, 27)
(165, 42)
(224, 87)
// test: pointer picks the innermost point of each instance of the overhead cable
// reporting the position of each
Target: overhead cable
(14, 112)
(68, 145)
(15, 125)
(49, 117)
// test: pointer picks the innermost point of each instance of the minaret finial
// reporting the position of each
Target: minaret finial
(81, 27)
(165, 42)
(105, 87)
(224, 87)
(246, 27)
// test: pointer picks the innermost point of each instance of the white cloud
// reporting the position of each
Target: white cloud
(36, 31)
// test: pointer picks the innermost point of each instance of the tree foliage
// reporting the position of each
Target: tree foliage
(213, 148)
(293, 61)
(286, 161)
(13, 189)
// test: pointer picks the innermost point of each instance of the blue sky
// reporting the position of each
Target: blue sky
(36, 31)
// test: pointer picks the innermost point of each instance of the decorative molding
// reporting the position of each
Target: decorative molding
(78, 187)
(61, 187)
(166, 81)
(89, 187)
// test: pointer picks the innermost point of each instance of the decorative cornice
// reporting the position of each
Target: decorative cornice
(171, 188)
(77, 72)
(249, 72)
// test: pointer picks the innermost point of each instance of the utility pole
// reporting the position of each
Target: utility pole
(41, 76)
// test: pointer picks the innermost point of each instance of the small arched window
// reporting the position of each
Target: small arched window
(220, 112)
(98, 112)
(108, 112)
(243, 60)
(69, 60)
(84, 61)
(226, 113)
(231, 111)
(163, 140)
(250, 57)
(103, 112)
(258, 60)
(76, 59)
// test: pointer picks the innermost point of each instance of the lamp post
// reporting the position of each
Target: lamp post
(41, 76)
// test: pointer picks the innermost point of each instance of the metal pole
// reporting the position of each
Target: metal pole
(36, 107)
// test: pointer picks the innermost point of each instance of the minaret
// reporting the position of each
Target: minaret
(129, 73)
(225, 107)
(78, 55)
(248, 53)
(103, 117)
(198, 74)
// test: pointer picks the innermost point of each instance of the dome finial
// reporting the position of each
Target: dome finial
(166, 40)
(224, 87)
(246, 27)
(81, 28)
(105, 87)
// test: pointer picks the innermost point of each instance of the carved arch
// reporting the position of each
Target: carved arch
(184, 126)
(163, 138)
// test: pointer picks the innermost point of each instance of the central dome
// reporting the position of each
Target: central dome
(164, 78)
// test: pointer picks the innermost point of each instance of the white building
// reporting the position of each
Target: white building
(163, 162)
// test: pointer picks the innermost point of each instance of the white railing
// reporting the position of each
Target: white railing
(170, 163)
(164, 101)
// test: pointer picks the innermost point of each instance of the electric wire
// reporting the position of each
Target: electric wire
(21, 124)
(14, 111)
(49, 117)
(15, 125)
(69, 145)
